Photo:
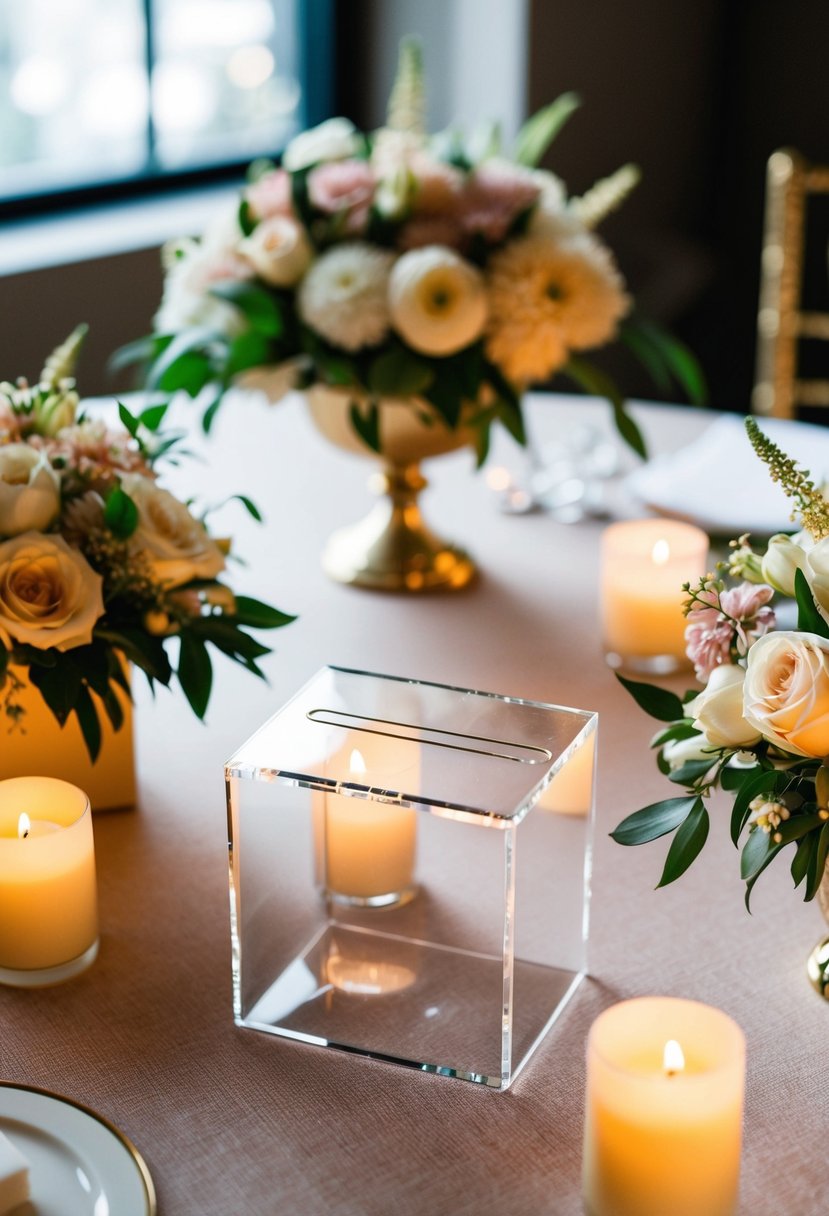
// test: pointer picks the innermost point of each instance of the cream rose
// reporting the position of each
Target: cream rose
(56, 411)
(49, 593)
(334, 139)
(780, 561)
(29, 490)
(816, 569)
(278, 250)
(175, 544)
(437, 300)
(786, 691)
(718, 710)
(681, 751)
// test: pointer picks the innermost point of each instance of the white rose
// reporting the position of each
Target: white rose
(780, 561)
(49, 593)
(718, 710)
(334, 139)
(816, 569)
(437, 300)
(786, 693)
(175, 544)
(29, 490)
(278, 250)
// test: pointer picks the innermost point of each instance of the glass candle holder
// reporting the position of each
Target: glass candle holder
(48, 898)
(663, 1124)
(644, 563)
(423, 901)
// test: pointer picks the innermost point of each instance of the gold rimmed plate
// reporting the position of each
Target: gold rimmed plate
(80, 1164)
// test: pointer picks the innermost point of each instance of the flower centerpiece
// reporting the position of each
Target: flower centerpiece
(436, 272)
(760, 726)
(100, 566)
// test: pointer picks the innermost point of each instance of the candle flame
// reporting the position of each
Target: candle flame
(356, 764)
(673, 1060)
(661, 552)
(24, 826)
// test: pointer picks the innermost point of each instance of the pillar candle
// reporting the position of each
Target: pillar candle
(370, 845)
(48, 902)
(644, 564)
(663, 1129)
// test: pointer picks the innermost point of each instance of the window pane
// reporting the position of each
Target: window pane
(73, 93)
(225, 84)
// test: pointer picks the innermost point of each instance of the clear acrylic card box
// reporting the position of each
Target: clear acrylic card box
(409, 871)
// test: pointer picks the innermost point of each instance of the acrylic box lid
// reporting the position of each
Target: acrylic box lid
(449, 750)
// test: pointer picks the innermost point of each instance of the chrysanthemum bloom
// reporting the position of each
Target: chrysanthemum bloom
(343, 188)
(546, 299)
(344, 295)
(437, 300)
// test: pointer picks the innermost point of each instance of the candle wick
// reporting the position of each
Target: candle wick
(26, 833)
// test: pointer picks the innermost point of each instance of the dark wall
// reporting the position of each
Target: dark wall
(698, 93)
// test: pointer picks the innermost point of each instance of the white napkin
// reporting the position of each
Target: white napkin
(720, 483)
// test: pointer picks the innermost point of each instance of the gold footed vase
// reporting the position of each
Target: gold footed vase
(392, 549)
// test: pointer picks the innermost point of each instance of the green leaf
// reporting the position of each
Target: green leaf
(648, 356)
(195, 672)
(809, 619)
(249, 505)
(165, 372)
(538, 132)
(212, 409)
(59, 686)
(140, 648)
(760, 783)
(258, 615)
(153, 416)
(87, 717)
(676, 731)
(596, 382)
(687, 844)
(665, 357)
(797, 826)
(245, 217)
(399, 373)
(733, 778)
(511, 417)
(190, 373)
(688, 773)
(654, 821)
(803, 857)
(250, 349)
(661, 704)
(817, 863)
(258, 306)
(755, 853)
(142, 350)
(120, 513)
(367, 425)
(128, 420)
(764, 863)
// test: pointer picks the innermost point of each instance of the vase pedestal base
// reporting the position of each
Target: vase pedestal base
(392, 549)
(817, 966)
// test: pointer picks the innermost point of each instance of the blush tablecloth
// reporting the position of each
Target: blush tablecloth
(235, 1123)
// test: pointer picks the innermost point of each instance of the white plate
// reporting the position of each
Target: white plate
(79, 1164)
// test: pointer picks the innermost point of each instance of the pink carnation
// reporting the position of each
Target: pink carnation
(735, 619)
(437, 187)
(492, 199)
(343, 187)
(270, 195)
(431, 230)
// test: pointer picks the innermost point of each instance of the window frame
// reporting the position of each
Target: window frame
(316, 67)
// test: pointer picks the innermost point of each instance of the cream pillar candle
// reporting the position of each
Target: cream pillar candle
(643, 566)
(663, 1123)
(370, 845)
(48, 901)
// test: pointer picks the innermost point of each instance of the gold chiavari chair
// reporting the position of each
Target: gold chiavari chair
(782, 323)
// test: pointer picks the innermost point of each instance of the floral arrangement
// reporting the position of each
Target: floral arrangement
(100, 564)
(399, 264)
(760, 726)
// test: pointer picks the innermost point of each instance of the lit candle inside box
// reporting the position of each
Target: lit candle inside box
(663, 1123)
(644, 565)
(370, 845)
(48, 902)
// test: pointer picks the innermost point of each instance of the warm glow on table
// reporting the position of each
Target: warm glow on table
(644, 564)
(370, 845)
(663, 1124)
(48, 905)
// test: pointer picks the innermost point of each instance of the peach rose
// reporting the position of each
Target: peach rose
(49, 593)
(175, 544)
(786, 691)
